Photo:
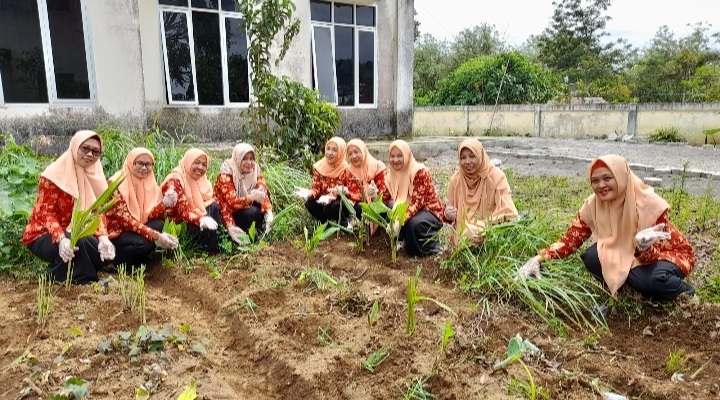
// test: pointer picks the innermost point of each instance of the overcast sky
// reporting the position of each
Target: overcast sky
(516, 20)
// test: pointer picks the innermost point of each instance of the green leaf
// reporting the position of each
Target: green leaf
(141, 393)
(75, 331)
(189, 393)
(77, 387)
(199, 348)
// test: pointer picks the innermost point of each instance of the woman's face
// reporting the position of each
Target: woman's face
(396, 158)
(331, 152)
(88, 153)
(604, 184)
(247, 164)
(355, 156)
(143, 166)
(198, 167)
(468, 161)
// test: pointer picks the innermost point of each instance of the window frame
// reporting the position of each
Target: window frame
(222, 16)
(51, 84)
(356, 52)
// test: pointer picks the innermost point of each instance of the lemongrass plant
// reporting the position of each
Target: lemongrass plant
(85, 222)
(45, 297)
(413, 297)
(140, 294)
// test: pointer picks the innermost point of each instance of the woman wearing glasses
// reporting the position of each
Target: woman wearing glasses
(76, 175)
(136, 220)
(195, 203)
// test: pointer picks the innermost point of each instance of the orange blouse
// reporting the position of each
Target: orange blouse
(322, 183)
(181, 211)
(119, 219)
(423, 196)
(677, 250)
(229, 202)
(52, 214)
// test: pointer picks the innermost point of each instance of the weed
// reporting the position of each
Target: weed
(45, 296)
(377, 358)
(372, 316)
(417, 391)
(517, 347)
(323, 336)
(143, 340)
(413, 297)
(251, 305)
(317, 277)
(447, 334)
(74, 388)
(666, 135)
(675, 362)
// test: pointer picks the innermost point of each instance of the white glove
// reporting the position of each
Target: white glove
(208, 223)
(646, 237)
(235, 232)
(303, 193)
(324, 199)
(395, 229)
(168, 241)
(66, 253)
(450, 211)
(107, 249)
(372, 191)
(531, 268)
(256, 195)
(339, 189)
(269, 219)
(170, 198)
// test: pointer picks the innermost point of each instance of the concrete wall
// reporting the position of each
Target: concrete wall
(568, 121)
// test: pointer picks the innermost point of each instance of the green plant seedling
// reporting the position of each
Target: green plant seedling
(45, 297)
(377, 358)
(322, 232)
(323, 336)
(372, 316)
(675, 362)
(85, 222)
(318, 278)
(447, 334)
(189, 392)
(249, 303)
(75, 388)
(374, 211)
(416, 390)
(413, 297)
(517, 347)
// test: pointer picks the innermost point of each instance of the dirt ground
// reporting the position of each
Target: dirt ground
(274, 353)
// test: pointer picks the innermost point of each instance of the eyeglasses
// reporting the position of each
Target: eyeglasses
(90, 150)
(141, 165)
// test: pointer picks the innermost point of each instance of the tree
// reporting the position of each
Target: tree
(508, 78)
(431, 65)
(480, 40)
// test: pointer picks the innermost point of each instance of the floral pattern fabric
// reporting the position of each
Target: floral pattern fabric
(119, 219)
(321, 184)
(423, 196)
(182, 211)
(229, 202)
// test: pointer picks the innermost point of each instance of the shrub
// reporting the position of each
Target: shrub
(666, 135)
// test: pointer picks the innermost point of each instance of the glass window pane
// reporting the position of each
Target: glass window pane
(68, 49)
(209, 4)
(324, 63)
(320, 11)
(22, 64)
(182, 3)
(345, 65)
(365, 15)
(230, 5)
(237, 61)
(343, 14)
(206, 33)
(179, 66)
(366, 67)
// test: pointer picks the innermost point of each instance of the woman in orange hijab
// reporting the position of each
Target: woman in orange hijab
(136, 220)
(330, 174)
(635, 242)
(410, 182)
(478, 192)
(76, 176)
(189, 186)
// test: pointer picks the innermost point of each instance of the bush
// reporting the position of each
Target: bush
(666, 135)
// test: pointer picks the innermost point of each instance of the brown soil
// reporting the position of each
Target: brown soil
(275, 354)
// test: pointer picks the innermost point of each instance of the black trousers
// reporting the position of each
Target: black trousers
(206, 239)
(133, 249)
(330, 212)
(245, 217)
(659, 281)
(86, 262)
(420, 234)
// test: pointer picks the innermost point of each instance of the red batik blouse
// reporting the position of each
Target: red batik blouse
(181, 211)
(119, 219)
(423, 196)
(321, 184)
(677, 250)
(229, 202)
(52, 214)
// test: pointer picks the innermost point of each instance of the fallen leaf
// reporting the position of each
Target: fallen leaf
(648, 332)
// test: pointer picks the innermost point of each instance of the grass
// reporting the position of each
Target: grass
(675, 362)
(377, 358)
(416, 390)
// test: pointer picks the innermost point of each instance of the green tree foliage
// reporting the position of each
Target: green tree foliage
(508, 78)
(572, 44)
(480, 40)
(430, 66)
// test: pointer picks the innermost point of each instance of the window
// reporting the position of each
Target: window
(44, 52)
(205, 52)
(343, 47)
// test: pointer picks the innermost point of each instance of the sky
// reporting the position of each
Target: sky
(516, 20)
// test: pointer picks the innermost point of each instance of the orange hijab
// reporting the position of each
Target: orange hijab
(369, 168)
(480, 196)
(140, 195)
(615, 223)
(333, 170)
(83, 184)
(400, 183)
(198, 192)
(243, 182)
